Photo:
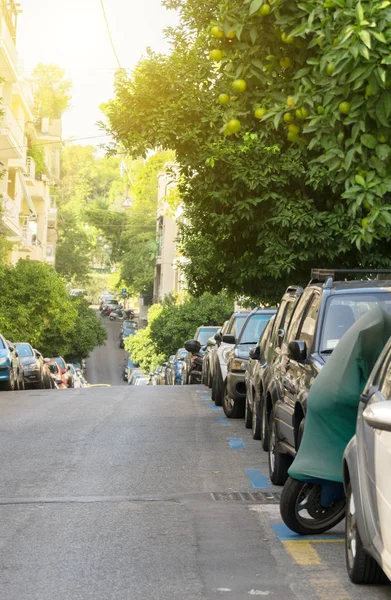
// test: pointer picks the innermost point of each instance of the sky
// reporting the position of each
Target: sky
(73, 35)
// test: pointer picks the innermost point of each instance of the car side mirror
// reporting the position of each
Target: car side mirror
(193, 346)
(364, 398)
(12, 348)
(217, 336)
(280, 336)
(255, 353)
(229, 339)
(378, 416)
(297, 350)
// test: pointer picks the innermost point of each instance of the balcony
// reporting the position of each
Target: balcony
(8, 53)
(52, 216)
(29, 169)
(27, 233)
(9, 218)
(11, 136)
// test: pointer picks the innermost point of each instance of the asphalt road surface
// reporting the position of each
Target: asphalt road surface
(106, 362)
(128, 493)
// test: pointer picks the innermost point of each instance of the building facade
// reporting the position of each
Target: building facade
(28, 215)
(169, 278)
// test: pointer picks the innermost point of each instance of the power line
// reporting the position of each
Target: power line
(109, 33)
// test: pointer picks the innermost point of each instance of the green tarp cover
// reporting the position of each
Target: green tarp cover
(334, 397)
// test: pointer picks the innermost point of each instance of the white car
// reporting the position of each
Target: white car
(75, 375)
(367, 461)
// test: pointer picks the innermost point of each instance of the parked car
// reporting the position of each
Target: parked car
(135, 375)
(234, 387)
(169, 371)
(129, 367)
(128, 328)
(106, 298)
(158, 376)
(11, 370)
(326, 310)
(202, 335)
(145, 380)
(207, 364)
(59, 378)
(366, 467)
(77, 379)
(35, 371)
(68, 377)
(179, 367)
(219, 354)
(259, 373)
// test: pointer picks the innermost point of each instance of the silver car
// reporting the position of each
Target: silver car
(367, 462)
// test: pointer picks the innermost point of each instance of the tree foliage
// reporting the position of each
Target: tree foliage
(36, 308)
(170, 325)
(52, 91)
(304, 181)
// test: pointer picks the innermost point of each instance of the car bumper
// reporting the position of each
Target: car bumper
(4, 373)
(236, 386)
(32, 376)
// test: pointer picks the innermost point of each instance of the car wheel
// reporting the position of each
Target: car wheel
(234, 409)
(361, 567)
(216, 390)
(256, 424)
(9, 385)
(21, 385)
(265, 427)
(209, 380)
(278, 463)
(248, 414)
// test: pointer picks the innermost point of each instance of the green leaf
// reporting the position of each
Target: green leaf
(386, 60)
(254, 6)
(359, 179)
(359, 13)
(379, 36)
(365, 37)
(368, 140)
(383, 151)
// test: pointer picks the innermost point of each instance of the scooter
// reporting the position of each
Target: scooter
(117, 315)
(106, 311)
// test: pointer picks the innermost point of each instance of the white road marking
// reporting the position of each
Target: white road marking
(258, 593)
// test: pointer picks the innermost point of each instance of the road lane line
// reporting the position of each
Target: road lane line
(236, 443)
(329, 587)
(257, 480)
(302, 552)
(284, 533)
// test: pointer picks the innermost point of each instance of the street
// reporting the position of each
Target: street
(128, 493)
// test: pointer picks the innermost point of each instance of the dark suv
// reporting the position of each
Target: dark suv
(259, 371)
(234, 395)
(325, 311)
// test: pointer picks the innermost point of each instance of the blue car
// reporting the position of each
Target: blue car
(11, 371)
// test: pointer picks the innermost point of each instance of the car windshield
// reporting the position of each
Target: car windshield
(253, 329)
(239, 322)
(53, 368)
(2, 345)
(61, 363)
(343, 310)
(72, 369)
(24, 350)
(130, 325)
(205, 334)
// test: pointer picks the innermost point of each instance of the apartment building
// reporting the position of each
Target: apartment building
(28, 212)
(169, 278)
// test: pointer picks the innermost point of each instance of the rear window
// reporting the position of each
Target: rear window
(204, 334)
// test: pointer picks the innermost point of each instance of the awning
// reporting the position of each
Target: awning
(26, 194)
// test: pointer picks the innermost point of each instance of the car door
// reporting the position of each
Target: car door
(295, 373)
(375, 458)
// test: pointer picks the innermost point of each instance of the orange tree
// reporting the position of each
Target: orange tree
(278, 112)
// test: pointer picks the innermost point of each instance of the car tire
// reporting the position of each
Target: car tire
(264, 427)
(210, 380)
(278, 463)
(233, 409)
(248, 414)
(216, 390)
(256, 423)
(21, 385)
(9, 385)
(361, 567)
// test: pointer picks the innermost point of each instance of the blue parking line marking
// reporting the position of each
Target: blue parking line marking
(236, 443)
(224, 421)
(258, 481)
(284, 533)
(213, 407)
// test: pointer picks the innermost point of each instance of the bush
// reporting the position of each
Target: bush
(172, 324)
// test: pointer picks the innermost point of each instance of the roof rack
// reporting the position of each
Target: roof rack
(327, 276)
(297, 289)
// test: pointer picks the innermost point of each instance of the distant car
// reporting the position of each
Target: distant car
(11, 370)
(366, 468)
(179, 367)
(76, 378)
(169, 372)
(34, 369)
(234, 390)
(158, 376)
(106, 298)
(59, 378)
(143, 381)
(129, 367)
(128, 328)
(68, 378)
(202, 335)
(135, 375)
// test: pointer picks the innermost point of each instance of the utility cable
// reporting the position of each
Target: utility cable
(109, 33)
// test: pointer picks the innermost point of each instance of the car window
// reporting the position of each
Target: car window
(237, 325)
(204, 334)
(265, 335)
(308, 326)
(253, 328)
(2, 344)
(24, 350)
(283, 319)
(60, 363)
(343, 310)
(298, 315)
(53, 368)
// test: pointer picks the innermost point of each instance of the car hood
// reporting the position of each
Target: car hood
(243, 350)
(27, 360)
(4, 352)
